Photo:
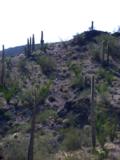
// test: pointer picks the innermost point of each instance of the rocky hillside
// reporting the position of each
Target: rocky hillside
(57, 80)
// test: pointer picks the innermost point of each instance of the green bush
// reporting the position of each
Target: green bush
(45, 115)
(72, 139)
(15, 149)
(102, 88)
(48, 65)
(106, 75)
(106, 127)
(35, 94)
(45, 147)
(22, 67)
(95, 52)
(77, 78)
(9, 92)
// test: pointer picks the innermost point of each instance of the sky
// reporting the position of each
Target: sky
(59, 19)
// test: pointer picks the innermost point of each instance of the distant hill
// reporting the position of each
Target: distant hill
(14, 50)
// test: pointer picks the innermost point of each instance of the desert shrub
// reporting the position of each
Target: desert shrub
(101, 154)
(48, 65)
(71, 140)
(86, 136)
(106, 75)
(9, 92)
(9, 63)
(15, 149)
(45, 115)
(106, 126)
(23, 128)
(77, 78)
(35, 93)
(114, 45)
(95, 52)
(45, 147)
(22, 67)
(102, 88)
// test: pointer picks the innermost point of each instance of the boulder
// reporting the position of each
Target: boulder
(79, 109)
(3, 102)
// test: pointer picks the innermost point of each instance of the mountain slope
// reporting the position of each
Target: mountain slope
(63, 120)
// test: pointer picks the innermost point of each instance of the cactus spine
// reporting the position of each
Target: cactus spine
(93, 118)
(3, 67)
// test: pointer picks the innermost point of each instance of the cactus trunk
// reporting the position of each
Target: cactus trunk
(3, 67)
(93, 119)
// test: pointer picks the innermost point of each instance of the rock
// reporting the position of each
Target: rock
(3, 102)
(51, 99)
(79, 109)
(109, 146)
(13, 102)
(66, 123)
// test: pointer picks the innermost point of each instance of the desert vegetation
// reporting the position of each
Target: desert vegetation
(60, 101)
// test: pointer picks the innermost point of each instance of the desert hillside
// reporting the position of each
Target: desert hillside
(45, 89)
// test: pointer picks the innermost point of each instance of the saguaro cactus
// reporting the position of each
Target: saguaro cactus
(33, 43)
(93, 117)
(31, 144)
(108, 53)
(36, 98)
(42, 41)
(102, 53)
(30, 45)
(92, 25)
(3, 67)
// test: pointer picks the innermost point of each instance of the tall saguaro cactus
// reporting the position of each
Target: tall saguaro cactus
(102, 53)
(36, 98)
(93, 117)
(3, 67)
(30, 45)
(42, 41)
(108, 53)
(92, 25)
(33, 43)
(31, 144)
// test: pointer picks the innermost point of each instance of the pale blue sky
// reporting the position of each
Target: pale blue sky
(59, 19)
